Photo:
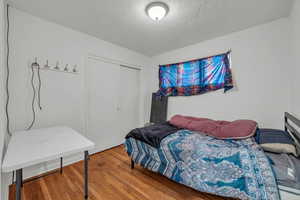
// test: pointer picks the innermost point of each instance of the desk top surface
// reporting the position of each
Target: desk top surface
(27, 148)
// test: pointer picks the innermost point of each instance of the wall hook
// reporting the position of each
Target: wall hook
(57, 67)
(47, 64)
(35, 63)
(75, 68)
(66, 68)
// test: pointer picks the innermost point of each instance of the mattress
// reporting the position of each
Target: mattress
(230, 168)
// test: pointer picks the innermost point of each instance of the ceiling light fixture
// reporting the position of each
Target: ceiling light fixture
(157, 10)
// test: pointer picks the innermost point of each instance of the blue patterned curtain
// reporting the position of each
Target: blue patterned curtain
(196, 76)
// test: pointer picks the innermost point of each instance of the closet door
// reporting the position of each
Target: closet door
(129, 99)
(102, 81)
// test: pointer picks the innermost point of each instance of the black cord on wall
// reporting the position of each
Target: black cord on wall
(33, 98)
(35, 64)
(40, 86)
(7, 72)
(7, 78)
(7, 84)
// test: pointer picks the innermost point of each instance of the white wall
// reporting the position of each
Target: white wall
(2, 54)
(260, 67)
(295, 20)
(3, 135)
(63, 95)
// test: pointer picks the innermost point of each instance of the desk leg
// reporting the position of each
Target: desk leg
(61, 165)
(86, 189)
(22, 178)
(18, 184)
(132, 164)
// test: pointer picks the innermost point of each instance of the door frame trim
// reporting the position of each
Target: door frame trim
(114, 61)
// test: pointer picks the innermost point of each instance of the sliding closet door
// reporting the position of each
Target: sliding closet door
(102, 81)
(112, 103)
(129, 99)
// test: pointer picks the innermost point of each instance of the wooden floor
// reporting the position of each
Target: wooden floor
(110, 178)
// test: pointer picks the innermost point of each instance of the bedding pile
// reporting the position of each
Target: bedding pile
(239, 129)
(230, 168)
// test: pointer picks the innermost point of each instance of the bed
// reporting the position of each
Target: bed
(292, 126)
(229, 168)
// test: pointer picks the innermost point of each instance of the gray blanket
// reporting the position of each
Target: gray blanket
(286, 168)
(153, 134)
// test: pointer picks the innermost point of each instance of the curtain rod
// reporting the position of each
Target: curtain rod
(227, 52)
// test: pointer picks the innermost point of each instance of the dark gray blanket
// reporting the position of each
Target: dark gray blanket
(153, 134)
(264, 136)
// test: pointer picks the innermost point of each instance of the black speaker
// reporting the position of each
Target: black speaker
(159, 109)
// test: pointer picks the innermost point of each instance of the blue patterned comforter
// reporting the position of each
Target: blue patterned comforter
(230, 168)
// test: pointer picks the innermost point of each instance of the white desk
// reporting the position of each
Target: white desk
(27, 148)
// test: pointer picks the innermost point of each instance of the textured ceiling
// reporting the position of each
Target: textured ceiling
(124, 22)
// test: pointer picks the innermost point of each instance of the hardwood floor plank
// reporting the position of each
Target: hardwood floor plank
(110, 178)
(44, 190)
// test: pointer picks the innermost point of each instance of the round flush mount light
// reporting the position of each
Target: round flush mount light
(157, 10)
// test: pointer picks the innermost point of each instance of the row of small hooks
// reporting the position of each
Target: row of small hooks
(66, 68)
